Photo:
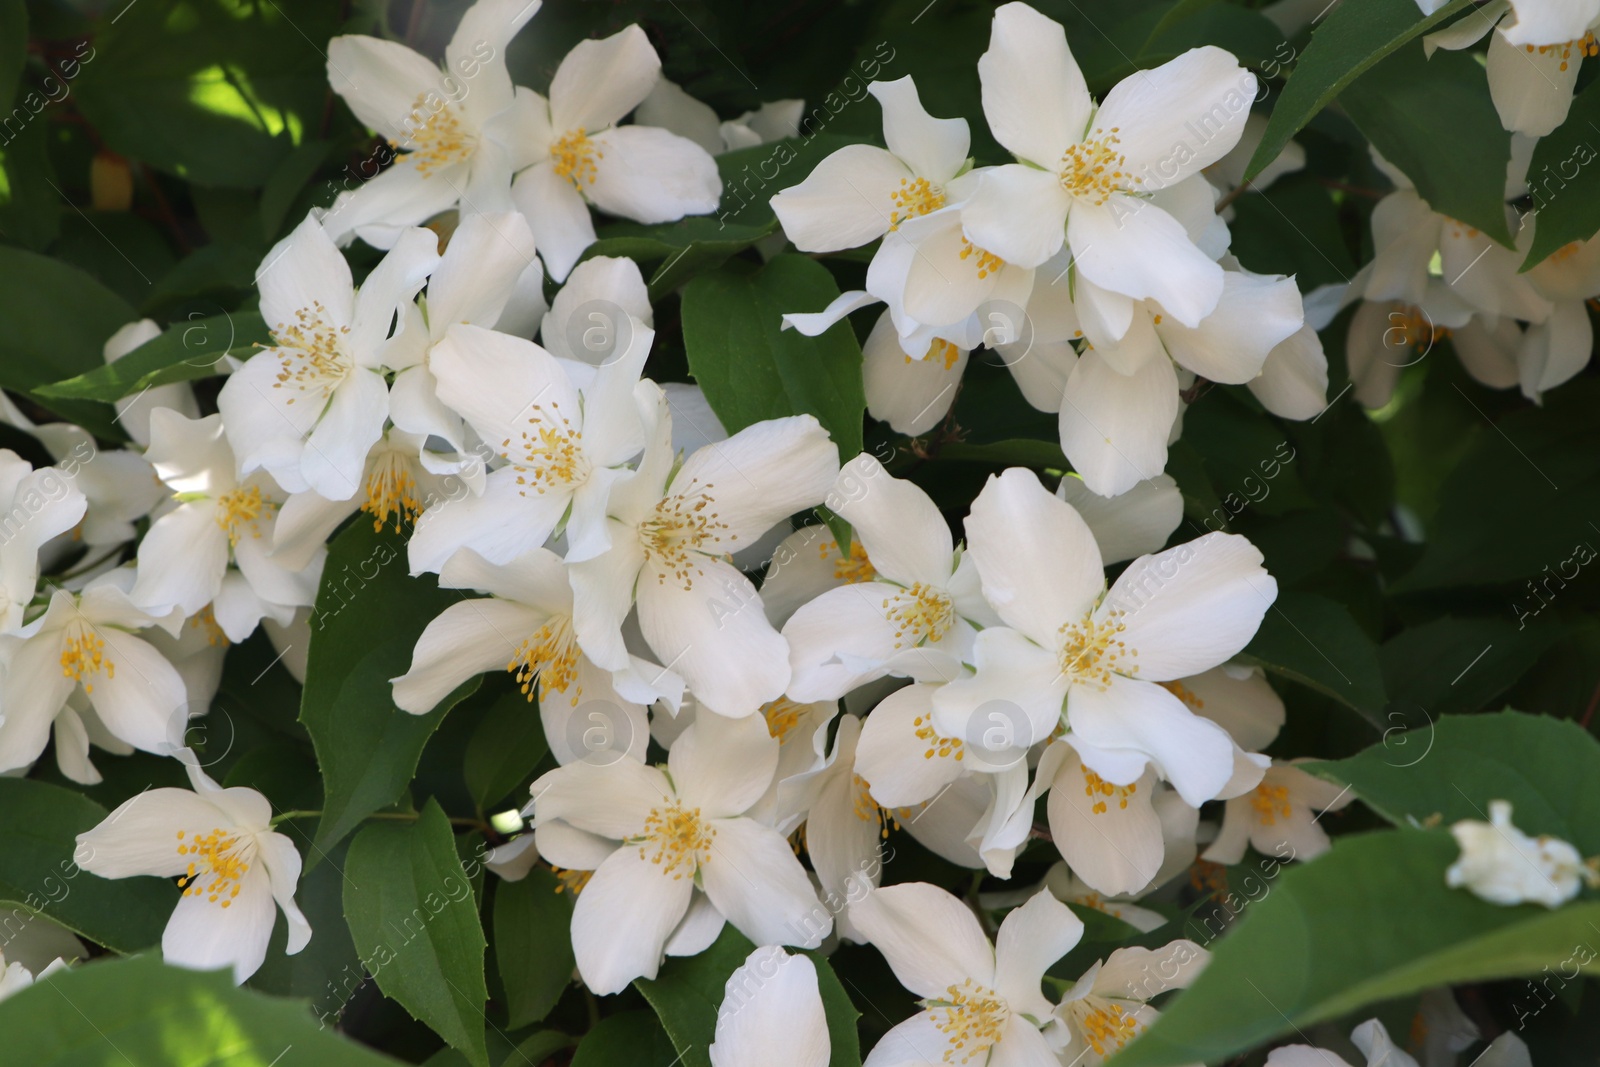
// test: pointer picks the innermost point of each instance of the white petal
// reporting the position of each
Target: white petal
(649, 175)
(1293, 383)
(1032, 938)
(557, 214)
(391, 286)
(384, 206)
(140, 836)
(303, 270)
(902, 531)
(1191, 607)
(1109, 836)
(1194, 754)
(1554, 351)
(475, 55)
(466, 639)
(762, 474)
(933, 148)
(382, 81)
(1179, 117)
(722, 765)
(699, 930)
(930, 939)
(336, 452)
(600, 81)
(911, 395)
(623, 918)
(144, 701)
(602, 593)
(35, 690)
(669, 107)
(182, 559)
(1114, 427)
(1041, 371)
(479, 270)
(1254, 314)
(1034, 95)
(771, 1013)
(204, 936)
(282, 861)
(1137, 522)
(1017, 214)
(1135, 248)
(1405, 235)
(755, 879)
(894, 758)
(1550, 21)
(1240, 700)
(846, 201)
(1490, 356)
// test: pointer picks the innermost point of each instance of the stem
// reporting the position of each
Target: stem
(393, 816)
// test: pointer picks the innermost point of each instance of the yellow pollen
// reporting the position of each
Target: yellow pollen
(1271, 803)
(437, 134)
(1185, 694)
(1415, 328)
(312, 350)
(575, 158)
(549, 654)
(1586, 46)
(782, 715)
(987, 262)
(1097, 788)
(1108, 1028)
(240, 509)
(679, 530)
(1566, 251)
(941, 349)
(943, 747)
(392, 490)
(1093, 169)
(855, 567)
(207, 618)
(868, 809)
(1212, 878)
(1091, 652)
(913, 198)
(217, 865)
(920, 614)
(573, 882)
(83, 655)
(972, 1018)
(551, 454)
(676, 839)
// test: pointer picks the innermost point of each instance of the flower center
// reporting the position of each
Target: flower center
(217, 864)
(942, 349)
(676, 839)
(83, 656)
(1097, 788)
(868, 809)
(312, 353)
(573, 882)
(921, 613)
(782, 715)
(1106, 1026)
(943, 747)
(677, 530)
(391, 490)
(972, 1020)
(575, 158)
(1093, 169)
(242, 509)
(437, 135)
(551, 654)
(1586, 45)
(1409, 326)
(1190, 698)
(855, 567)
(987, 262)
(1091, 652)
(913, 198)
(1271, 803)
(207, 618)
(552, 453)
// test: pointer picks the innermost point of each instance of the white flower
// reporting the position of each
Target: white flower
(233, 868)
(14, 977)
(591, 320)
(35, 506)
(1072, 652)
(1552, 351)
(1503, 865)
(455, 128)
(133, 412)
(1086, 172)
(1110, 835)
(216, 520)
(1106, 1008)
(309, 409)
(525, 627)
(1532, 64)
(88, 640)
(1370, 1037)
(670, 531)
(578, 153)
(1278, 814)
(562, 448)
(669, 107)
(981, 1002)
(912, 394)
(677, 834)
(861, 192)
(911, 619)
(771, 1014)
(1070, 889)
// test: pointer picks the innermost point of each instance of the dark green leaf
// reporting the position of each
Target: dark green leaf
(505, 747)
(30, 210)
(415, 923)
(1357, 34)
(186, 351)
(538, 1048)
(1454, 665)
(13, 48)
(1314, 641)
(141, 1013)
(286, 181)
(368, 616)
(751, 369)
(533, 944)
(629, 1039)
(1372, 920)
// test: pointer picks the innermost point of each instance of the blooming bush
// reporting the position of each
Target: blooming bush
(831, 534)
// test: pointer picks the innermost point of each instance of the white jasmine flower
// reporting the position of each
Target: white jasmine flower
(1106, 1008)
(133, 412)
(1282, 811)
(1503, 865)
(578, 155)
(771, 1013)
(981, 1002)
(1371, 1038)
(675, 834)
(232, 865)
(35, 507)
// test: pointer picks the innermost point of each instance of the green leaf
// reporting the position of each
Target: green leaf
(1564, 187)
(38, 869)
(1451, 769)
(13, 49)
(688, 991)
(1356, 35)
(1416, 111)
(216, 92)
(1313, 640)
(141, 1013)
(367, 619)
(415, 923)
(58, 319)
(1453, 665)
(533, 945)
(504, 748)
(538, 1048)
(682, 249)
(30, 210)
(751, 369)
(628, 1039)
(285, 183)
(1371, 920)
(185, 352)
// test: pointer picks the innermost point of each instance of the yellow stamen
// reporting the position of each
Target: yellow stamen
(914, 198)
(1271, 803)
(551, 455)
(1091, 652)
(392, 490)
(782, 715)
(853, 568)
(987, 262)
(437, 134)
(573, 882)
(943, 747)
(1093, 169)
(972, 1018)
(681, 529)
(217, 865)
(242, 509)
(920, 614)
(312, 350)
(576, 158)
(83, 655)
(676, 839)
(1096, 787)
(1107, 1027)
(550, 653)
